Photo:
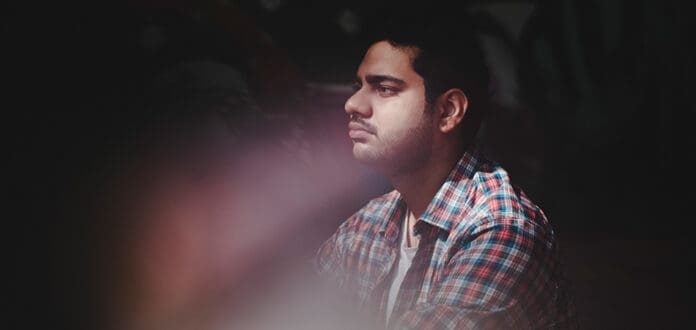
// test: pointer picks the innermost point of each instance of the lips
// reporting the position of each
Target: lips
(354, 126)
(357, 131)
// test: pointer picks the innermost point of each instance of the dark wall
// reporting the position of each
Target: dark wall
(599, 131)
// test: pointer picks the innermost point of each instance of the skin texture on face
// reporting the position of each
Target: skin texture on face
(389, 126)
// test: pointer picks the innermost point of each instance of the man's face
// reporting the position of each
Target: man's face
(389, 126)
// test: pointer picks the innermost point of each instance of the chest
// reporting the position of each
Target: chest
(372, 265)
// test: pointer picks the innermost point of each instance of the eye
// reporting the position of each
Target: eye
(386, 90)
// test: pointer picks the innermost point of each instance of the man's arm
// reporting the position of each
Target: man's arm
(328, 261)
(502, 277)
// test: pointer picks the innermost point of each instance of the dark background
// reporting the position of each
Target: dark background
(591, 117)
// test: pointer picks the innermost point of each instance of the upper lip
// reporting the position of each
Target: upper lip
(356, 126)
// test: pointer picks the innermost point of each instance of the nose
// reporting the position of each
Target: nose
(358, 104)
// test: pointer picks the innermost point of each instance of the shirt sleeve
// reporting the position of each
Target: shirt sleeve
(329, 259)
(498, 276)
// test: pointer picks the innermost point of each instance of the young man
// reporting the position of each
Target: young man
(455, 245)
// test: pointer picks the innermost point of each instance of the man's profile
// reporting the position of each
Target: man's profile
(455, 245)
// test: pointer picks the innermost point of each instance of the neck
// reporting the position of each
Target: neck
(419, 185)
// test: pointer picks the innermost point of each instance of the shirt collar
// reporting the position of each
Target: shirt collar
(445, 205)
(447, 202)
(395, 212)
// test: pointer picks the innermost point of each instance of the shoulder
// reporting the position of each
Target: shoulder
(496, 202)
(373, 215)
(502, 221)
(357, 232)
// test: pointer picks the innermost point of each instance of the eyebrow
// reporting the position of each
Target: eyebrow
(376, 79)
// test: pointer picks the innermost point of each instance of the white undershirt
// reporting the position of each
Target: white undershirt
(406, 255)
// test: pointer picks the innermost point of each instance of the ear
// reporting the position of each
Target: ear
(451, 108)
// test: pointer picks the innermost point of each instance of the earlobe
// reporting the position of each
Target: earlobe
(453, 104)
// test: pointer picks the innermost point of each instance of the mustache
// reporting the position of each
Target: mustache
(363, 124)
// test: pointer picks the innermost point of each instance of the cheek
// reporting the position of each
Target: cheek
(402, 118)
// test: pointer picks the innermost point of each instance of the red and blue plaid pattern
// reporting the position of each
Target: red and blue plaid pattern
(487, 258)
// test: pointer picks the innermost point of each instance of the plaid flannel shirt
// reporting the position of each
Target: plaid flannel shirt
(487, 258)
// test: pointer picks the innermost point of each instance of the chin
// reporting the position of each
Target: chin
(364, 154)
(369, 156)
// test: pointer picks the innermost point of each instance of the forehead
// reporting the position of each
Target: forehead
(384, 59)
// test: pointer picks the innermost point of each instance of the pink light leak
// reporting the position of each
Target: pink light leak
(202, 246)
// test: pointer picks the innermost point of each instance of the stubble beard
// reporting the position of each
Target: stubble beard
(400, 154)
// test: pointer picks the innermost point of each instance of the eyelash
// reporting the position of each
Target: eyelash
(380, 89)
(385, 90)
